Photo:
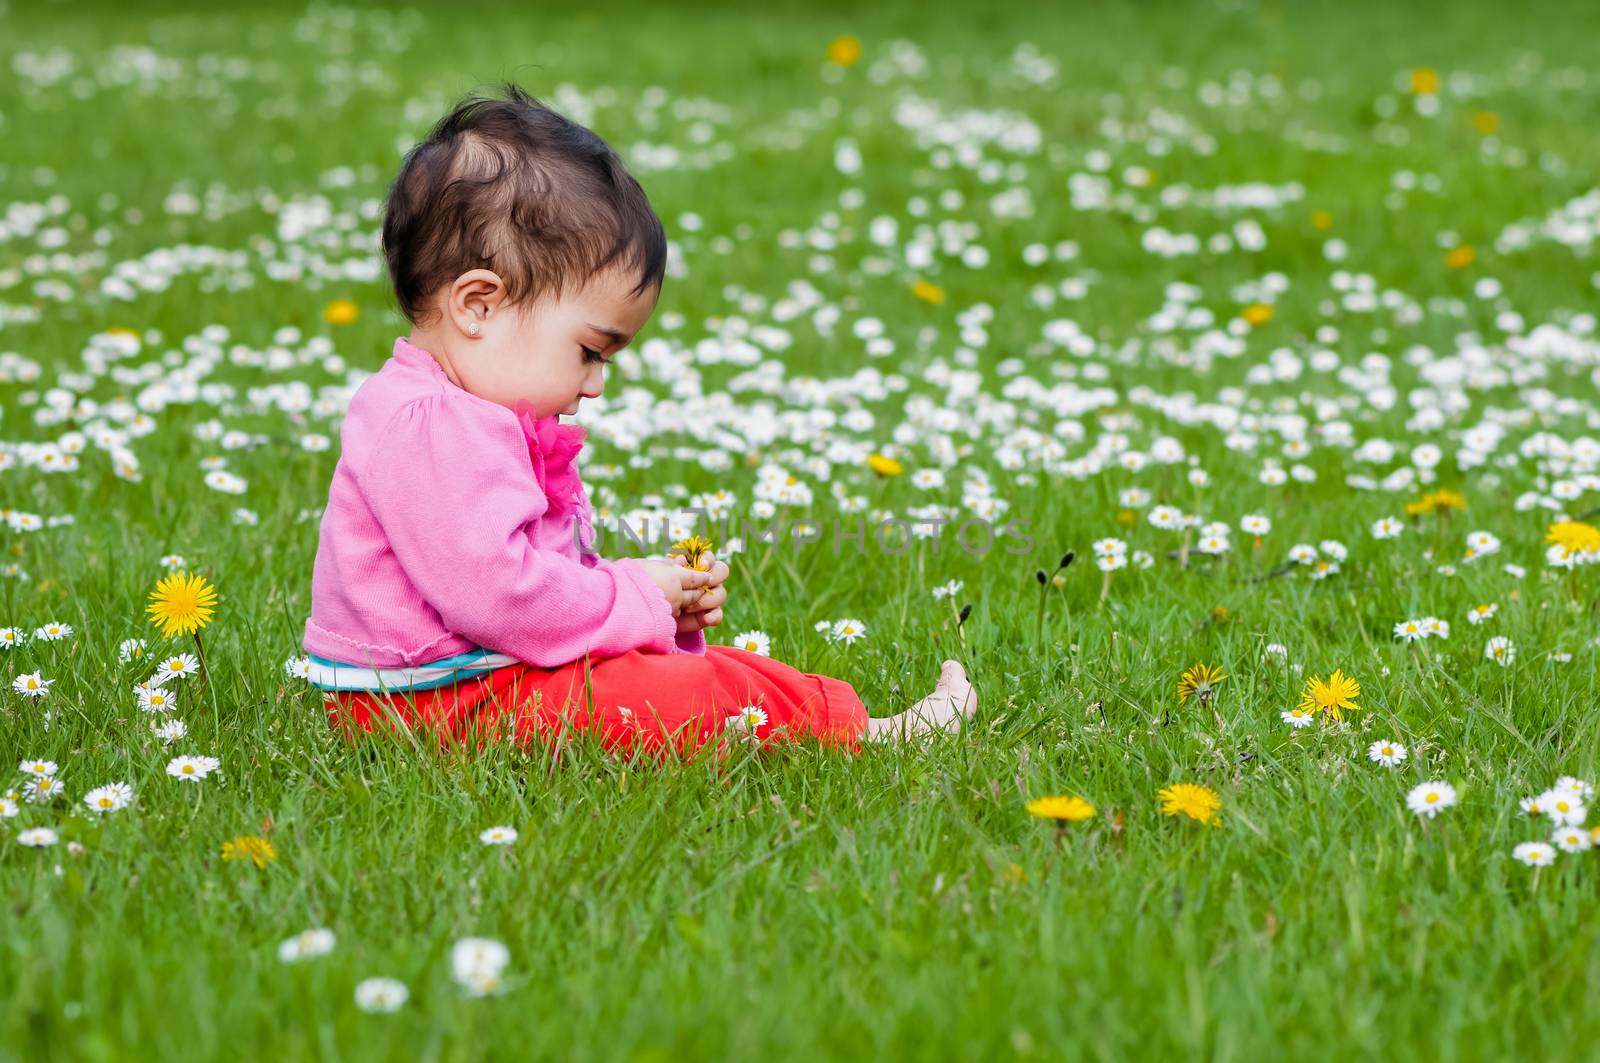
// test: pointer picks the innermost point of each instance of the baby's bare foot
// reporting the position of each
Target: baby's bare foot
(952, 701)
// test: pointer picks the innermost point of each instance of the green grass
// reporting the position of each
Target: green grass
(794, 902)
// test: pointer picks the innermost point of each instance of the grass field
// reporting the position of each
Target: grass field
(1289, 269)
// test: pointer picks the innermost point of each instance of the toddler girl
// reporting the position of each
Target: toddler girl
(454, 589)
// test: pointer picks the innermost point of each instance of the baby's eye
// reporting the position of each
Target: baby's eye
(590, 355)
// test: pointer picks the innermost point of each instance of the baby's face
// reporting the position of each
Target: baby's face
(552, 353)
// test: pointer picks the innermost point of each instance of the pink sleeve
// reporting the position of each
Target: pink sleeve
(456, 496)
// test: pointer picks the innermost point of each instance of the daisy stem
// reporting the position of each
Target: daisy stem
(1105, 587)
(1044, 588)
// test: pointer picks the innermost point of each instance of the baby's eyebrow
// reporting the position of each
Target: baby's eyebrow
(616, 336)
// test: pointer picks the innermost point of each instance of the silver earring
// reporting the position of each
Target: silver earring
(472, 329)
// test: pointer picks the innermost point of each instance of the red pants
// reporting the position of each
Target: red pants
(651, 701)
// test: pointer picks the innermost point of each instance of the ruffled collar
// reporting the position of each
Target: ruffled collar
(553, 447)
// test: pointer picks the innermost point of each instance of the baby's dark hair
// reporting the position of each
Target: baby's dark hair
(512, 186)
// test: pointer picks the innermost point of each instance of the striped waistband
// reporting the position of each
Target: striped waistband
(338, 675)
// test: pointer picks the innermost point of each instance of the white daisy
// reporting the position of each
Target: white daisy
(1387, 528)
(1437, 628)
(1431, 798)
(9, 637)
(128, 649)
(155, 698)
(169, 731)
(754, 642)
(1479, 613)
(109, 798)
(1255, 524)
(1534, 854)
(192, 769)
(1409, 631)
(498, 835)
(172, 562)
(53, 631)
(1500, 650)
(947, 590)
(1571, 839)
(32, 685)
(42, 789)
(477, 963)
(9, 807)
(1386, 753)
(381, 995)
(37, 837)
(1563, 808)
(847, 631)
(318, 941)
(1576, 787)
(177, 666)
(297, 667)
(37, 767)
(746, 718)
(1296, 717)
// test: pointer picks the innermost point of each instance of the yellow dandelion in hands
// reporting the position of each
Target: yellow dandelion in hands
(1200, 681)
(248, 847)
(1188, 799)
(1061, 808)
(1338, 692)
(181, 604)
(693, 550)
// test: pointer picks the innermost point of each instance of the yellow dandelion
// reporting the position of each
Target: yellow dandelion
(694, 550)
(1061, 808)
(1321, 219)
(249, 847)
(1257, 313)
(1424, 82)
(1339, 691)
(1188, 799)
(1574, 537)
(1200, 681)
(928, 292)
(1486, 122)
(844, 51)
(884, 466)
(181, 604)
(341, 312)
(1460, 257)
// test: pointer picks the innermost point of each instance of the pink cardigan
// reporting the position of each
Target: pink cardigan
(450, 527)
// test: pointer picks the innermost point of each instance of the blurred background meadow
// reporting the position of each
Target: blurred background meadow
(1279, 316)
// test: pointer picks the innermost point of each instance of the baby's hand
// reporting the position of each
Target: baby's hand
(706, 611)
(683, 586)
